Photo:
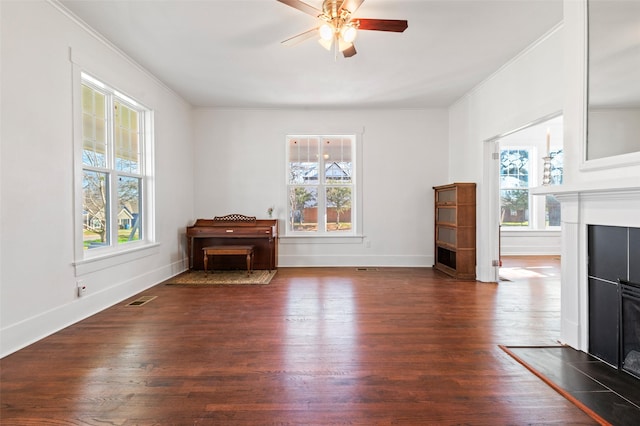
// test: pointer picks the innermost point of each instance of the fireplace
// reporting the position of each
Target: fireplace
(614, 296)
(630, 327)
(585, 205)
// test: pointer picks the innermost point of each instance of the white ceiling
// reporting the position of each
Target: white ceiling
(228, 53)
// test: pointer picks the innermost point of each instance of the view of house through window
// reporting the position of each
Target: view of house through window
(112, 166)
(521, 168)
(320, 184)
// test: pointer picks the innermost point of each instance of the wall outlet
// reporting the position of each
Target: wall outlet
(367, 244)
(81, 287)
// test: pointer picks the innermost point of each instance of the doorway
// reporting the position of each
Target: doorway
(527, 159)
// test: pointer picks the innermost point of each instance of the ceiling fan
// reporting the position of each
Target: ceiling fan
(338, 28)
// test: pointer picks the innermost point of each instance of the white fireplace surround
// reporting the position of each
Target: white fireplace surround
(612, 203)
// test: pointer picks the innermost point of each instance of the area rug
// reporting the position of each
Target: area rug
(259, 277)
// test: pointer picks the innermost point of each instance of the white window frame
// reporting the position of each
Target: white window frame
(98, 258)
(537, 205)
(356, 198)
(531, 179)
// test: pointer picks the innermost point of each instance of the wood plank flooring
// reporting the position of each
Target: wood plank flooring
(316, 346)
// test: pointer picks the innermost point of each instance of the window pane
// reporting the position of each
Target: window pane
(94, 139)
(552, 211)
(514, 207)
(338, 208)
(126, 139)
(336, 154)
(557, 167)
(129, 209)
(303, 160)
(303, 203)
(514, 168)
(95, 199)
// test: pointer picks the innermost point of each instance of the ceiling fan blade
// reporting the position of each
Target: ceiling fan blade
(300, 37)
(349, 52)
(351, 5)
(303, 7)
(393, 25)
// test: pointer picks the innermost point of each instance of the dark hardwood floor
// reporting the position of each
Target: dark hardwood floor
(315, 346)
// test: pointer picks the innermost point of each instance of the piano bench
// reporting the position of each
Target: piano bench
(229, 250)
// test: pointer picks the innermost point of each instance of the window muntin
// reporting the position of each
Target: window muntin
(113, 179)
(321, 184)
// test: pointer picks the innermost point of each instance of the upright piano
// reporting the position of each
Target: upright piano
(234, 229)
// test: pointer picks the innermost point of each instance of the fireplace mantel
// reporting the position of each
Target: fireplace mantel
(605, 188)
(613, 203)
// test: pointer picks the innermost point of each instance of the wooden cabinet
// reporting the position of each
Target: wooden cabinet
(455, 230)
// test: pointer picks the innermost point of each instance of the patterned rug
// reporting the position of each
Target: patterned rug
(259, 277)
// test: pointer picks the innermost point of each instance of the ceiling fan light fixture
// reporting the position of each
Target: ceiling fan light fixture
(326, 32)
(338, 28)
(348, 33)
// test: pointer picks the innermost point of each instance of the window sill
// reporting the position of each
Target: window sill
(114, 258)
(321, 239)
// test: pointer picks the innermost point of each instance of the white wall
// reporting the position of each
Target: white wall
(526, 89)
(38, 279)
(240, 168)
(530, 243)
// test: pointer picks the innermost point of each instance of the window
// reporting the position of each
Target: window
(514, 187)
(517, 207)
(321, 185)
(552, 205)
(114, 177)
(522, 167)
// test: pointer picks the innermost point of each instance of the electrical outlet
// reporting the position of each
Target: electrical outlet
(367, 244)
(81, 287)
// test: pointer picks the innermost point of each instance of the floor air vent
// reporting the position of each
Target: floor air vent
(142, 300)
(367, 269)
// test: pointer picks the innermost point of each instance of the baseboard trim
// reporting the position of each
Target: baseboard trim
(408, 261)
(26, 332)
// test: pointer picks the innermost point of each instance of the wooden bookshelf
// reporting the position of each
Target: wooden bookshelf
(455, 230)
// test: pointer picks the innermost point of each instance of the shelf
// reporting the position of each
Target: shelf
(455, 230)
